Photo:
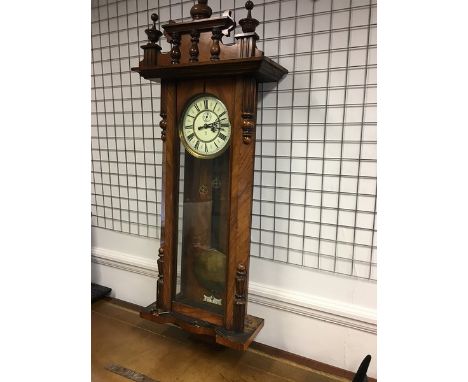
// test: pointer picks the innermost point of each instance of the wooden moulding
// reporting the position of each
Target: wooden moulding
(262, 68)
(219, 335)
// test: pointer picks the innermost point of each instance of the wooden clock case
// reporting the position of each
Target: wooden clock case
(200, 63)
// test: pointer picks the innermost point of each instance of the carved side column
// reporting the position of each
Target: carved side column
(248, 110)
(160, 283)
(248, 127)
(240, 301)
(160, 262)
(163, 114)
(163, 125)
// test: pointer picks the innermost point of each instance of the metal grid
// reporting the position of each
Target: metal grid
(315, 167)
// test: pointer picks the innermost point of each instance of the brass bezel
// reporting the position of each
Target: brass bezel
(181, 134)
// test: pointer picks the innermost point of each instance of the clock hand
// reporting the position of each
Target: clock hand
(205, 126)
(215, 126)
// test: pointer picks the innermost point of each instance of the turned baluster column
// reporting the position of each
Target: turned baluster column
(194, 51)
(215, 48)
(175, 51)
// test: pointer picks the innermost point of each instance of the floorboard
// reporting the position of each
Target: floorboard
(167, 354)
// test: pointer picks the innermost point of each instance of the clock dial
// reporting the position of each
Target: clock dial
(205, 130)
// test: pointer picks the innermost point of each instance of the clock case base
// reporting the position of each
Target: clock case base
(205, 330)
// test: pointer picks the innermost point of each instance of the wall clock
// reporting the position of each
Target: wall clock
(208, 111)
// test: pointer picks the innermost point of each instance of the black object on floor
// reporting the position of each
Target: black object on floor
(98, 292)
(361, 375)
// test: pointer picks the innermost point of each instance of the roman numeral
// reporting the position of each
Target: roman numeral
(206, 104)
(219, 116)
(222, 136)
(189, 127)
(196, 107)
(225, 125)
(197, 145)
(216, 145)
(206, 147)
(190, 137)
(216, 104)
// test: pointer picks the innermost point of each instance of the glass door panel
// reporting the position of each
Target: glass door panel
(203, 244)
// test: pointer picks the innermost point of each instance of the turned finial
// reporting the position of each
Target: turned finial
(249, 24)
(152, 33)
(201, 10)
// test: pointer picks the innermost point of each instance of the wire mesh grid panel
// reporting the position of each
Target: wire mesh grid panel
(315, 166)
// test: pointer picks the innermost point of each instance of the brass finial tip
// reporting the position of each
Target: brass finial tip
(154, 17)
(249, 5)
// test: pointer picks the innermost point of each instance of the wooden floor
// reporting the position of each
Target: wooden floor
(167, 354)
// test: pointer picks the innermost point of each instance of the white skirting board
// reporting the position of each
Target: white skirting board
(323, 329)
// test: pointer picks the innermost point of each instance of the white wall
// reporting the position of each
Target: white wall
(322, 316)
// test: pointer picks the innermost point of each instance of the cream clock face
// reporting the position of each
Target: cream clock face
(205, 130)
